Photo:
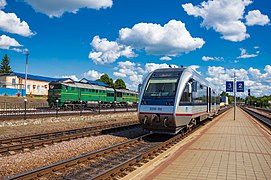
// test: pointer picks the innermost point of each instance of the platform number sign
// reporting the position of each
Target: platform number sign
(229, 86)
(240, 86)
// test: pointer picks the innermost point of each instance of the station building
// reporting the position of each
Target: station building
(14, 82)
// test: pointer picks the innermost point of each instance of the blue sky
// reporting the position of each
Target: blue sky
(127, 38)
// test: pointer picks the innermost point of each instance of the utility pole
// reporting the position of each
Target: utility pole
(234, 89)
(26, 67)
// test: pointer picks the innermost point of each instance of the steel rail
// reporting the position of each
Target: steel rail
(149, 154)
(266, 120)
(76, 160)
(20, 114)
(35, 140)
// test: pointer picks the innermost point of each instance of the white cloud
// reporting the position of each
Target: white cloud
(92, 75)
(165, 58)
(132, 71)
(118, 74)
(9, 22)
(3, 3)
(245, 55)
(255, 73)
(73, 77)
(19, 50)
(223, 16)
(59, 7)
(104, 51)
(207, 58)
(168, 40)
(258, 82)
(149, 67)
(7, 42)
(255, 17)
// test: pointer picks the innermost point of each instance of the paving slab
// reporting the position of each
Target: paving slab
(228, 149)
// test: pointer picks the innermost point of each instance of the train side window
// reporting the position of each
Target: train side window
(200, 97)
(186, 96)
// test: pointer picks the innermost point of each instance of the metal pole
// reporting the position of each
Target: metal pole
(26, 68)
(81, 108)
(25, 100)
(99, 107)
(114, 106)
(57, 108)
(234, 87)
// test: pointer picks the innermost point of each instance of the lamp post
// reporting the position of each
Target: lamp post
(81, 108)
(114, 106)
(25, 100)
(99, 107)
(26, 52)
(57, 108)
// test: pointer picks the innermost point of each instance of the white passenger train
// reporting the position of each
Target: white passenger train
(175, 98)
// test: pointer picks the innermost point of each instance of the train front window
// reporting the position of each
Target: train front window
(160, 91)
(55, 86)
(161, 87)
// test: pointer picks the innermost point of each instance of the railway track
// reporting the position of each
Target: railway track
(32, 113)
(25, 143)
(116, 160)
(262, 117)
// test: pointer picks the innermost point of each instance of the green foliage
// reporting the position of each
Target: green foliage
(120, 84)
(258, 101)
(231, 98)
(5, 67)
(106, 79)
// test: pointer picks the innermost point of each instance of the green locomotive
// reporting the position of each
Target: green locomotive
(69, 94)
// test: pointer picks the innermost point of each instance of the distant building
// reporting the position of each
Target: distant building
(224, 101)
(35, 85)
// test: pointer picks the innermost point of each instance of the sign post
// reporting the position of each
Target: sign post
(233, 86)
(229, 86)
(234, 95)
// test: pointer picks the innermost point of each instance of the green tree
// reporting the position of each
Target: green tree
(120, 84)
(106, 79)
(5, 67)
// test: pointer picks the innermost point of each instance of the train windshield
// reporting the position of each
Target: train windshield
(161, 87)
(55, 86)
(160, 91)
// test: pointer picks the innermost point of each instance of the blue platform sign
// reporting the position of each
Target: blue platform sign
(240, 86)
(229, 86)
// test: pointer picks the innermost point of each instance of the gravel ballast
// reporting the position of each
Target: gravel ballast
(18, 163)
(10, 129)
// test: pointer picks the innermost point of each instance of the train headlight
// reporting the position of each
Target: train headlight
(155, 118)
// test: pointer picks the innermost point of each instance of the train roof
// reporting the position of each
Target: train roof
(84, 80)
(126, 91)
(84, 83)
(176, 71)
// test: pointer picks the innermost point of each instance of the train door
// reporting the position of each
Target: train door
(209, 99)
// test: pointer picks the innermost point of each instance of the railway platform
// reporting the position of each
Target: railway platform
(224, 149)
